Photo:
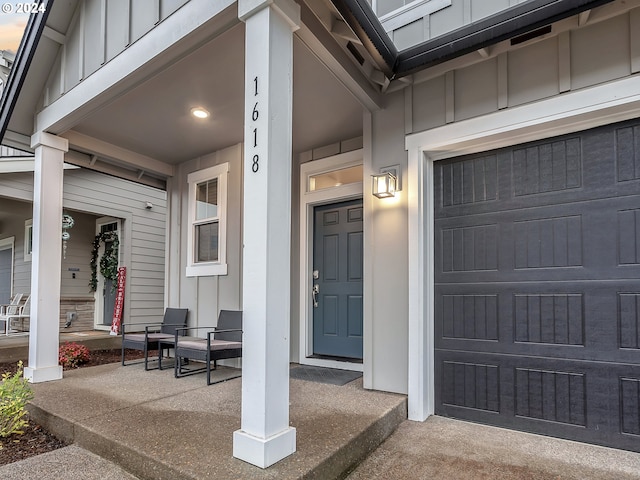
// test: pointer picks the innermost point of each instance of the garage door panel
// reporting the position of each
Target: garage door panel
(537, 297)
(537, 175)
(568, 242)
(563, 398)
(585, 320)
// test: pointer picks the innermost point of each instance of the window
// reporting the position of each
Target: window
(207, 240)
(28, 239)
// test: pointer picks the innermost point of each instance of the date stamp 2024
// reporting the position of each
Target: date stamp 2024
(23, 8)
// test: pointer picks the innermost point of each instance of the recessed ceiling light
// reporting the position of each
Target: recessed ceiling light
(199, 112)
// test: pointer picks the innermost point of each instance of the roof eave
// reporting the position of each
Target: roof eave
(509, 23)
(24, 56)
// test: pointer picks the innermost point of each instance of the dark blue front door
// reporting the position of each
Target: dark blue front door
(337, 260)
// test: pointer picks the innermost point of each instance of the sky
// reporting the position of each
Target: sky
(11, 28)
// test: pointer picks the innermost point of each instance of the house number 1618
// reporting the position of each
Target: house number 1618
(255, 114)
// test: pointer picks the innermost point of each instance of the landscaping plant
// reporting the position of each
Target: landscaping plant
(15, 392)
(72, 355)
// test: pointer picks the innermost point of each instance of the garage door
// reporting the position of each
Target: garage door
(537, 297)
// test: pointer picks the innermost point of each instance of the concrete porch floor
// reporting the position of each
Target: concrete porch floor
(158, 427)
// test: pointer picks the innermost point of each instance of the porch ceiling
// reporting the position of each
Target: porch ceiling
(154, 118)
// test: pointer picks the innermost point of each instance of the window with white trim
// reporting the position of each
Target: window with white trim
(207, 236)
(28, 239)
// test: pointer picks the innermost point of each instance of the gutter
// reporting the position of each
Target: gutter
(507, 24)
(21, 64)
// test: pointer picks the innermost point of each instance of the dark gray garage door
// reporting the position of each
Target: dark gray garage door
(537, 310)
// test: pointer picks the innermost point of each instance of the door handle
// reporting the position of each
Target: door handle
(314, 294)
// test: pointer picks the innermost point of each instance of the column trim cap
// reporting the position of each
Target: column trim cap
(288, 10)
(45, 139)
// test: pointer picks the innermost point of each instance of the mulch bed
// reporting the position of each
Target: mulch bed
(35, 439)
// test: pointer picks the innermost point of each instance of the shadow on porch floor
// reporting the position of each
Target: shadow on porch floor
(159, 427)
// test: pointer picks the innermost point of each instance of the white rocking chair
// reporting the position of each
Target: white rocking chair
(17, 309)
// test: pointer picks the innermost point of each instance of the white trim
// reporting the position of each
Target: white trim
(571, 112)
(193, 269)
(23, 164)
(411, 12)
(309, 200)
(98, 311)
(587, 108)
(6, 244)
(28, 246)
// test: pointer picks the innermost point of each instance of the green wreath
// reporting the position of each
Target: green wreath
(109, 260)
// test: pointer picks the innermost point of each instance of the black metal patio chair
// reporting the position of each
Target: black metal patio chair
(223, 341)
(174, 319)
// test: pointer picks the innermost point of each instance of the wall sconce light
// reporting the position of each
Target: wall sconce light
(384, 185)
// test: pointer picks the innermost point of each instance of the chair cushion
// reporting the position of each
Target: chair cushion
(224, 345)
(193, 344)
(139, 337)
(215, 344)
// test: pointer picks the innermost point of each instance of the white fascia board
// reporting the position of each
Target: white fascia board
(567, 113)
(20, 164)
(118, 154)
(17, 140)
(148, 55)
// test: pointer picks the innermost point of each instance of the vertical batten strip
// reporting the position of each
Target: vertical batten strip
(129, 23)
(103, 31)
(564, 62)
(82, 39)
(156, 12)
(449, 89)
(634, 28)
(503, 81)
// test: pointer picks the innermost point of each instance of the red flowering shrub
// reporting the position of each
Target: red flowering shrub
(72, 355)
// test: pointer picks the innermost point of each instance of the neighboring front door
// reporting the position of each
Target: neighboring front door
(337, 280)
(106, 292)
(6, 258)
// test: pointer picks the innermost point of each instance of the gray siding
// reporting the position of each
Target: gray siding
(142, 239)
(99, 31)
(432, 18)
(205, 296)
(78, 249)
(6, 152)
(575, 59)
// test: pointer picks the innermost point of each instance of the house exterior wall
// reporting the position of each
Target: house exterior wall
(74, 292)
(105, 28)
(205, 296)
(577, 57)
(142, 239)
(606, 49)
(411, 22)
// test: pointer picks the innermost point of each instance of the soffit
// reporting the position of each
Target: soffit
(154, 118)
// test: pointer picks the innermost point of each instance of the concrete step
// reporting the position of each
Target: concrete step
(158, 427)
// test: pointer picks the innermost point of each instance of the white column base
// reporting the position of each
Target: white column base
(44, 374)
(264, 452)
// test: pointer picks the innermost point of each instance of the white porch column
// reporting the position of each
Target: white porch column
(46, 258)
(265, 436)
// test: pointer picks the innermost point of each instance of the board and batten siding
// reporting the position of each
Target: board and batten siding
(205, 296)
(142, 239)
(411, 22)
(98, 32)
(573, 59)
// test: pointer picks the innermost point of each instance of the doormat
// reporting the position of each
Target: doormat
(332, 376)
